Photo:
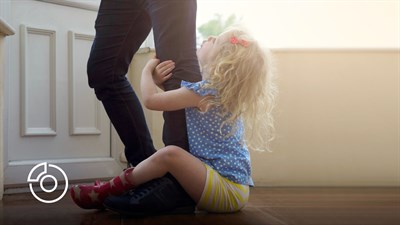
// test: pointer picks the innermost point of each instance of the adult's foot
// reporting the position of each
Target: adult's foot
(159, 196)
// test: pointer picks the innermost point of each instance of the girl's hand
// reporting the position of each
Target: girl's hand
(162, 72)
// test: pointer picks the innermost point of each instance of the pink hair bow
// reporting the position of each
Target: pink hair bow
(234, 40)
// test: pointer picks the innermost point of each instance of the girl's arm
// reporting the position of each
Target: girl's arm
(165, 101)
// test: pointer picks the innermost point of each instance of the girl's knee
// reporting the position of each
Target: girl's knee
(171, 153)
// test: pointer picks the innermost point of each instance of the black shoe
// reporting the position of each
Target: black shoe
(160, 196)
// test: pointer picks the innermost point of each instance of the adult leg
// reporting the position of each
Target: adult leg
(174, 28)
(121, 27)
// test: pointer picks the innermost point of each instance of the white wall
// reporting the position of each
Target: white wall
(337, 120)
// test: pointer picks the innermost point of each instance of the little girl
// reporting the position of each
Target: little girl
(227, 112)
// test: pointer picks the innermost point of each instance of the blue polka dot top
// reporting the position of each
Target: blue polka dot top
(211, 143)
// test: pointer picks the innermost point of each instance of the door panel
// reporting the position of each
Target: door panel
(53, 116)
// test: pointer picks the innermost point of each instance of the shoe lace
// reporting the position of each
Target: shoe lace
(145, 189)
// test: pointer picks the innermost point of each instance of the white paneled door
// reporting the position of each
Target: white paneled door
(51, 113)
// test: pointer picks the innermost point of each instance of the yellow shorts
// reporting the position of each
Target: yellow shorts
(222, 195)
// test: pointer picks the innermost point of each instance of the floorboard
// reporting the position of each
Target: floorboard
(275, 206)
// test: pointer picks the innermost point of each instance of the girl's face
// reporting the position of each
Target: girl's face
(207, 49)
(210, 47)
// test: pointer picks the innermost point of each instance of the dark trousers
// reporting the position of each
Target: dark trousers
(121, 27)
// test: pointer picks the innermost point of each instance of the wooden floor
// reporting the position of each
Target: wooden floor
(306, 206)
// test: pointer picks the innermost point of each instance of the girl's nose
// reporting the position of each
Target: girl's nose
(211, 38)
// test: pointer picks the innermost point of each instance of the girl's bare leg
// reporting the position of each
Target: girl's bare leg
(187, 169)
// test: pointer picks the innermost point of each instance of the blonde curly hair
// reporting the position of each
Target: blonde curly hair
(242, 74)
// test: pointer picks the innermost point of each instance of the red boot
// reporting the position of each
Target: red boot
(93, 196)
